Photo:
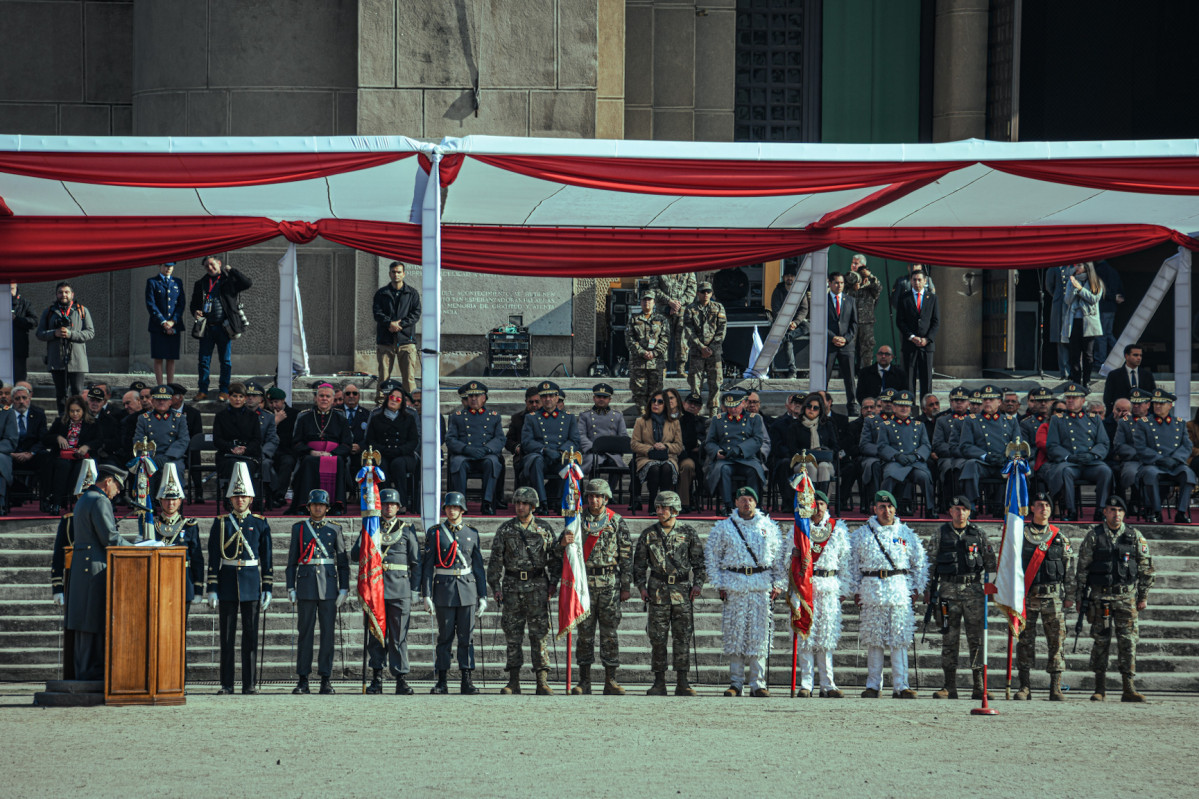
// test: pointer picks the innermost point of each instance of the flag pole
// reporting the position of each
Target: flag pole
(794, 658)
(1007, 689)
(569, 647)
(366, 631)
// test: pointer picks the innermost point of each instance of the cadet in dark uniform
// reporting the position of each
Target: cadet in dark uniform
(1076, 446)
(983, 443)
(454, 586)
(903, 449)
(1163, 447)
(240, 576)
(959, 554)
(734, 441)
(318, 577)
(947, 436)
(474, 438)
(1115, 573)
(95, 531)
(544, 436)
(1052, 570)
(399, 547)
(522, 574)
(175, 530)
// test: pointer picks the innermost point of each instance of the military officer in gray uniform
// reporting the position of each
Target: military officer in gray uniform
(1076, 446)
(601, 420)
(544, 436)
(167, 428)
(872, 464)
(399, 549)
(454, 586)
(1039, 400)
(1123, 458)
(474, 437)
(704, 328)
(1163, 448)
(733, 445)
(903, 449)
(95, 531)
(674, 294)
(648, 339)
(318, 578)
(983, 443)
(947, 432)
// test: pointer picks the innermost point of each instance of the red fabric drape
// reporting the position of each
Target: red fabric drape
(189, 170)
(1143, 175)
(704, 178)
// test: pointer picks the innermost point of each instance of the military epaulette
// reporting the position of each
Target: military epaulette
(191, 521)
(68, 515)
(258, 516)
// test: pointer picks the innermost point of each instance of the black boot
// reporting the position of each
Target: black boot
(468, 688)
(402, 686)
(376, 686)
(301, 686)
(326, 686)
(440, 687)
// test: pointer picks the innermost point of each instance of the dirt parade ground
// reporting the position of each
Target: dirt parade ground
(275, 744)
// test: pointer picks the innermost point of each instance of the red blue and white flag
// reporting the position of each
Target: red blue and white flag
(799, 597)
(574, 600)
(370, 559)
(1009, 573)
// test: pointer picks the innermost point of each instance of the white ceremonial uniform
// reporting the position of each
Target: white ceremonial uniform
(817, 649)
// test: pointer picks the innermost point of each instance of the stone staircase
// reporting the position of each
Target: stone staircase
(31, 628)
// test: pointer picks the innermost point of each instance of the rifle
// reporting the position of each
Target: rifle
(1084, 606)
(934, 597)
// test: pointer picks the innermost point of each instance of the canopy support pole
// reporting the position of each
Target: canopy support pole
(782, 319)
(430, 354)
(818, 313)
(287, 320)
(1184, 342)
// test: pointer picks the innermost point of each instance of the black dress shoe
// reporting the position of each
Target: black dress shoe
(225, 690)
(1153, 518)
(250, 690)
(301, 687)
(1070, 516)
(1182, 518)
(326, 686)
(487, 509)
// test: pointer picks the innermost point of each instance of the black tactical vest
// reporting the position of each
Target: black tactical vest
(1113, 563)
(959, 556)
(1053, 567)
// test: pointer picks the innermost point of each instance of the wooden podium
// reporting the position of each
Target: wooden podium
(145, 632)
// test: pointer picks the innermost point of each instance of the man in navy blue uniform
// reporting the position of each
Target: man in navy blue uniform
(318, 578)
(546, 434)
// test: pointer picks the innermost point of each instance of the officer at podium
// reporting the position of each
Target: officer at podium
(318, 577)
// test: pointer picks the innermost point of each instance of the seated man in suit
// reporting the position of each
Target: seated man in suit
(878, 377)
(1163, 448)
(733, 447)
(31, 428)
(545, 435)
(842, 337)
(1076, 446)
(904, 449)
(983, 444)
(1130, 375)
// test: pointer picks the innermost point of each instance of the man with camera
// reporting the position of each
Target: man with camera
(66, 327)
(219, 319)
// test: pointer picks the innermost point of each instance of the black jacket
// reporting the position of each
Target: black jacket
(1116, 386)
(870, 382)
(392, 438)
(921, 325)
(795, 437)
(23, 320)
(232, 284)
(89, 435)
(233, 427)
(35, 430)
(391, 305)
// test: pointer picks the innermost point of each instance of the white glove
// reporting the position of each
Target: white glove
(341, 597)
(428, 605)
(197, 599)
(266, 599)
(482, 608)
(291, 595)
(212, 601)
(59, 599)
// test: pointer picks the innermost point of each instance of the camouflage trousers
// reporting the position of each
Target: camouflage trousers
(709, 368)
(605, 610)
(680, 349)
(965, 612)
(521, 608)
(865, 343)
(674, 619)
(644, 382)
(1049, 610)
(1122, 620)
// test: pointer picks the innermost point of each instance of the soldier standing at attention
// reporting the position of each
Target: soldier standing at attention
(668, 568)
(454, 586)
(522, 574)
(174, 530)
(1112, 586)
(830, 556)
(648, 339)
(544, 436)
(601, 420)
(65, 536)
(1049, 559)
(704, 329)
(960, 553)
(399, 549)
(475, 437)
(608, 555)
(240, 576)
(676, 292)
(318, 577)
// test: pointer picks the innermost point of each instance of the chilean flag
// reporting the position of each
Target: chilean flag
(800, 595)
(370, 560)
(1009, 573)
(574, 600)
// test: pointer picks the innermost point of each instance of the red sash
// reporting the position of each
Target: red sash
(1038, 555)
(592, 540)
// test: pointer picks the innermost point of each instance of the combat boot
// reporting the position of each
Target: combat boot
(326, 686)
(402, 686)
(950, 691)
(1055, 687)
(1025, 690)
(543, 683)
(611, 686)
(1100, 687)
(682, 687)
(659, 686)
(376, 686)
(467, 688)
(584, 685)
(978, 687)
(513, 686)
(440, 687)
(1130, 692)
(301, 686)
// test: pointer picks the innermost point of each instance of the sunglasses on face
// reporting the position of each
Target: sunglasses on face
(814, 408)
(657, 401)
(351, 393)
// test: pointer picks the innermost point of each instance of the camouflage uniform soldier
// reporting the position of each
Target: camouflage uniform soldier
(673, 557)
(608, 554)
(1112, 586)
(704, 330)
(959, 554)
(522, 575)
(1052, 549)
(648, 340)
(865, 288)
(676, 292)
